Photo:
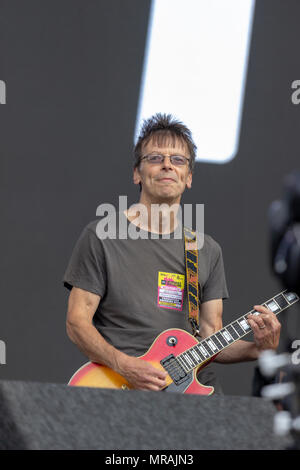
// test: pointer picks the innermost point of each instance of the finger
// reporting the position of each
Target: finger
(159, 382)
(153, 378)
(262, 320)
(266, 315)
(155, 387)
(255, 325)
(162, 375)
(264, 311)
(150, 388)
(149, 385)
(159, 373)
(257, 321)
(262, 308)
(269, 319)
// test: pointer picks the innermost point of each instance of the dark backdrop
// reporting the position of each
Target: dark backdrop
(73, 70)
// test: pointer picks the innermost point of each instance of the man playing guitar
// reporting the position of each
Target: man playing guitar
(121, 289)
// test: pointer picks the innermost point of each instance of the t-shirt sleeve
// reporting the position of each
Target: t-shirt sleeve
(215, 287)
(86, 268)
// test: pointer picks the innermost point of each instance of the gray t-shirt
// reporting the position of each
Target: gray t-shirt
(142, 284)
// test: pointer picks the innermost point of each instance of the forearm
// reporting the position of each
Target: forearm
(238, 352)
(93, 345)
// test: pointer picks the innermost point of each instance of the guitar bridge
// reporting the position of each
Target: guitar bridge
(174, 369)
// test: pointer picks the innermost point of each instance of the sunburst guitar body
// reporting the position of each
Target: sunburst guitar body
(165, 354)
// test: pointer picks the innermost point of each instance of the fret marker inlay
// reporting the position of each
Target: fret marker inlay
(244, 325)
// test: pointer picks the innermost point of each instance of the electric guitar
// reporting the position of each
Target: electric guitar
(181, 354)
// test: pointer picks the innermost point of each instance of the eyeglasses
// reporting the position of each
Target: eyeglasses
(177, 160)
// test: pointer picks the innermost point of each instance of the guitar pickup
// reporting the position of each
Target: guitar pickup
(174, 369)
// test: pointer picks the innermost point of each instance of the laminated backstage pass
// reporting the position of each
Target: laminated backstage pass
(170, 290)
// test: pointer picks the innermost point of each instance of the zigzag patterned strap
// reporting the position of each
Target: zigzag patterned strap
(191, 266)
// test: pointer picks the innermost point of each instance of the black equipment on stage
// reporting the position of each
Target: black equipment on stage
(54, 416)
(284, 226)
(286, 394)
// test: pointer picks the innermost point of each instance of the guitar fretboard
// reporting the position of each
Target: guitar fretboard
(212, 345)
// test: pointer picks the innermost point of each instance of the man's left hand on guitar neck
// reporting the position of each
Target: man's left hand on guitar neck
(265, 327)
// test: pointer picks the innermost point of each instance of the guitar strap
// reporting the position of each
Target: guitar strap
(191, 266)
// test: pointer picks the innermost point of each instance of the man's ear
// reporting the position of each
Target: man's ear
(136, 176)
(189, 180)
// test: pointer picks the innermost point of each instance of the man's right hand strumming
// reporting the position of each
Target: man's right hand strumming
(140, 374)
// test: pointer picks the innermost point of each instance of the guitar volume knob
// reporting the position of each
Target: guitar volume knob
(172, 341)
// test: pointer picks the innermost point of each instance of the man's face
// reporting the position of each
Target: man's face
(163, 182)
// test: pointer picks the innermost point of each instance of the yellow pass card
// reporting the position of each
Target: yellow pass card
(170, 290)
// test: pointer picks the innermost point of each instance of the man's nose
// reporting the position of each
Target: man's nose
(167, 162)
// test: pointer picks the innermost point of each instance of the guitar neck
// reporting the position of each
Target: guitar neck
(212, 345)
